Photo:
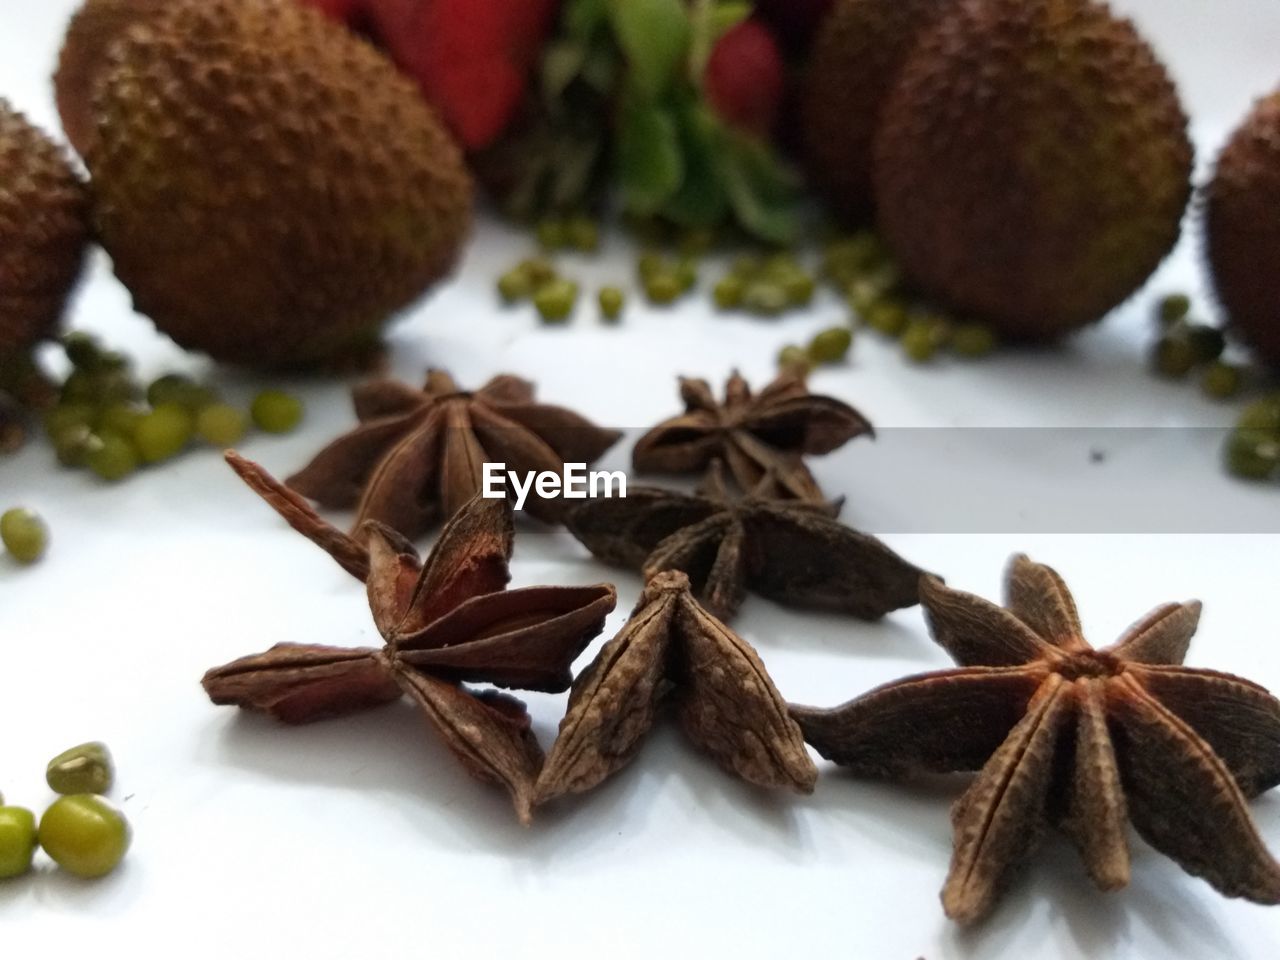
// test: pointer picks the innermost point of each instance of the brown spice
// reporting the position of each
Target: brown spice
(418, 455)
(791, 551)
(758, 436)
(673, 650)
(445, 622)
(1073, 737)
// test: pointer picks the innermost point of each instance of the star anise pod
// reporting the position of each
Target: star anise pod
(755, 435)
(673, 651)
(445, 622)
(418, 455)
(791, 551)
(1074, 737)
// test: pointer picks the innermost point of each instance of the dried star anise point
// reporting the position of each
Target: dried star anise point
(756, 435)
(673, 651)
(1065, 735)
(417, 456)
(793, 552)
(445, 622)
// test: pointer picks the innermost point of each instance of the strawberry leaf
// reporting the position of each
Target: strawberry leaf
(701, 199)
(562, 63)
(601, 68)
(574, 163)
(709, 20)
(654, 36)
(726, 16)
(582, 18)
(650, 162)
(764, 193)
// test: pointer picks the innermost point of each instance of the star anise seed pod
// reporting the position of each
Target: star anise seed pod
(418, 455)
(445, 622)
(791, 551)
(673, 650)
(1074, 737)
(765, 434)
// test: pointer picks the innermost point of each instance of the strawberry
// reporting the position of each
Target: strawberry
(745, 79)
(472, 58)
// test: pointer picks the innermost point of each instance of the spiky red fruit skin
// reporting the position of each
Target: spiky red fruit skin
(746, 78)
(1242, 229)
(858, 50)
(1032, 165)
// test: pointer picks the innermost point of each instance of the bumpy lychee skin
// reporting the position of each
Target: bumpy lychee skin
(95, 26)
(1242, 229)
(43, 233)
(268, 185)
(1032, 165)
(858, 51)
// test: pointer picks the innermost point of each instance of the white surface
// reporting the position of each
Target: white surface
(363, 838)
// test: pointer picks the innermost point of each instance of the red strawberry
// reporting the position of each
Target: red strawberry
(745, 78)
(472, 58)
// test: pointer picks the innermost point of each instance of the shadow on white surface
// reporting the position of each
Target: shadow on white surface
(910, 821)
(771, 629)
(1161, 904)
(391, 753)
(59, 892)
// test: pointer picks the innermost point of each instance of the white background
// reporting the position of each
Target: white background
(363, 838)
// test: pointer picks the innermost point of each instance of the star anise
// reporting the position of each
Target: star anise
(1074, 737)
(447, 622)
(791, 551)
(673, 651)
(418, 455)
(764, 435)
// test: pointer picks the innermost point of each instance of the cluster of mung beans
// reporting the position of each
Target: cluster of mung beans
(1187, 345)
(109, 423)
(1252, 450)
(81, 831)
(863, 271)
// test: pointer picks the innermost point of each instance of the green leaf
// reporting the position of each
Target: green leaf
(654, 36)
(710, 20)
(650, 162)
(601, 67)
(727, 15)
(764, 193)
(575, 163)
(562, 62)
(582, 18)
(701, 200)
